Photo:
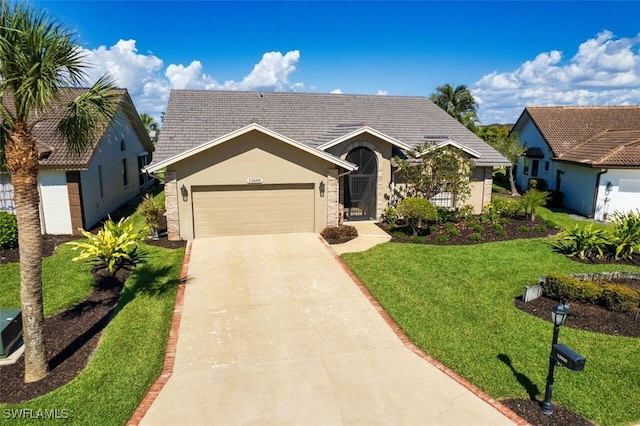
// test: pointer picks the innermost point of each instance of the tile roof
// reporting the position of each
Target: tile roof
(608, 148)
(194, 117)
(566, 128)
(53, 148)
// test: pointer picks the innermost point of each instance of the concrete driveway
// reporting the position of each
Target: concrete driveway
(274, 331)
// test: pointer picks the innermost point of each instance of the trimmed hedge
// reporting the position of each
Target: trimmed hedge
(8, 231)
(614, 297)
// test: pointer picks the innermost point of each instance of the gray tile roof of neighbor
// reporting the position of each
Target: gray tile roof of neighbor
(195, 117)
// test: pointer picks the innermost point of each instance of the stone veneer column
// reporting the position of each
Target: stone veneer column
(488, 186)
(333, 198)
(171, 206)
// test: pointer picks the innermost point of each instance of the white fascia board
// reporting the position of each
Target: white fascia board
(244, 130)
(453, 143)
(361, 130)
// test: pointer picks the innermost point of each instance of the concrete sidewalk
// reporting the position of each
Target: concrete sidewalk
(275, 331)
(369, 235)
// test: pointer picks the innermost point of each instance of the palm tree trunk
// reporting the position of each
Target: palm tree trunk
(22, 160)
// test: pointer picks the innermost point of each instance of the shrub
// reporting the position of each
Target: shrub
(464, 212)
(497, 226)
(116, 245)
(531, 200)
(417, 240)
(417, 211)
(541, 228)
(445, 215)
(563, 287)
(475, 237)
(442, 239)
(339, 232)
(584, 241)
(523, 228)
(625, 233)
(152, 213)
(476, 227)
(399, 234)
(619, 298)
(503, 207)
(8, 231)
(452, 230)
(501, 232)
(390, 215)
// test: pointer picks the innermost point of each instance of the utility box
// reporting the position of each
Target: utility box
(10, 330)
(567, 357)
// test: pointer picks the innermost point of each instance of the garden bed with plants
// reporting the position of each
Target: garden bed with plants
(415, 220)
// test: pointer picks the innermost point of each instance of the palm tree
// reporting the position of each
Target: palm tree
(458, 102)
(38, 59)
(149, 122)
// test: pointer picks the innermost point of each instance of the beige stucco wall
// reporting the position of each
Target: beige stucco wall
(481, 181)
(250, 156)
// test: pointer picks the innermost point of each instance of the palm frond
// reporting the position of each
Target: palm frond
(86, 116)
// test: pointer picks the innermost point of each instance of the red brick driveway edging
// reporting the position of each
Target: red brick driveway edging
(172, 344)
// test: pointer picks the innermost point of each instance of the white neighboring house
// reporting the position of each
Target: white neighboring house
(590, 154)
(79, 191)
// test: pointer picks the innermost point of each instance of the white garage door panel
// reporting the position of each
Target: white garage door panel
(230, 210)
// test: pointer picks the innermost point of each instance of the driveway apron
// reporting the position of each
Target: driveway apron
(274, 331)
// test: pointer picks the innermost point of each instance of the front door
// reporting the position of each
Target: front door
(361, 189)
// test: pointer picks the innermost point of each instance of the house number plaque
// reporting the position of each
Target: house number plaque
(254, 180)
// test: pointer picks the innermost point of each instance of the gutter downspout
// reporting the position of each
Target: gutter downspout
(595, 193)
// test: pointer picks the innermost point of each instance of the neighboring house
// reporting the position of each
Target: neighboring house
(79, 191)
(250, 162)
(590, 154)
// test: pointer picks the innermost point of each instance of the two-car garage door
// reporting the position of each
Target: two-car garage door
(253, 209)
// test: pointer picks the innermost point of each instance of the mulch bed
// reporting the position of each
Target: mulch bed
(512, 230)
(584, 317)
(71, 337)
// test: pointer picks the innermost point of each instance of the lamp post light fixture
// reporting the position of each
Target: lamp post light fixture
(185, 193)
(558, 316)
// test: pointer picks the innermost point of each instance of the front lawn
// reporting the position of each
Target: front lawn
(457, 304)
(131, 351)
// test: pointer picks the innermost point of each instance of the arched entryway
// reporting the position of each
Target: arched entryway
(360, 191)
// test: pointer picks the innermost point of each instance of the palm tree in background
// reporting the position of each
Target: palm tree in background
(458, 102)
(38, 59)
(149, 122)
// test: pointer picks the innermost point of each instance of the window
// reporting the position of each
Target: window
(525, 169)
(125, 179)
(100, 183)
(546, 166)
(443, 199)
(534, 167)
(123, 147)
(143, 160)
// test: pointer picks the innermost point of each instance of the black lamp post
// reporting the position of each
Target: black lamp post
(558, 315)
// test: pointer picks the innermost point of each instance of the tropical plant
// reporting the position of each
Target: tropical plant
(390, 215)
(531, 200)
(38, 59)
(416, 211)
(152, 212)
(458, 102)
(116, 245)
(584, 241)
(436, 170)
(8, 231)
(149, 122)
(625, 233)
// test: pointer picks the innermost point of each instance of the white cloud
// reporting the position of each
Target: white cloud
(149, 84)
(604, 71)
(382, 93)
(336, 92)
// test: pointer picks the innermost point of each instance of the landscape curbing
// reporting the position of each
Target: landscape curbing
(511, 415)
(172, 345)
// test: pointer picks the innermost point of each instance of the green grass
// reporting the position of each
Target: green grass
(131, 352)
(456, 303)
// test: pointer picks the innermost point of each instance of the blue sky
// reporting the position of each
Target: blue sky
(510, 53)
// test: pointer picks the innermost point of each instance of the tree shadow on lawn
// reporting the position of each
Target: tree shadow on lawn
(532, 389)
(72, 336)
